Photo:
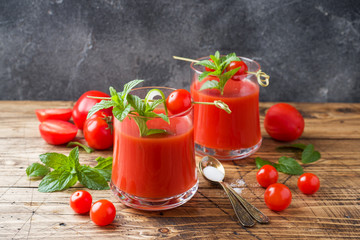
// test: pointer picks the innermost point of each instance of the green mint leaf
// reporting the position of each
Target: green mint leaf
(104, 104)
(155, 131)
(104, 163)
(141, 123)
(289, 166)
(91, 178)
(260, 162)
(74, 158)
(228, 59)
(116, 97)
(160, 115)
(296, 147)
(37, 170)
(204, 75)
(55, 160)
(207, 63)
(106, 173)
(309, 155)
(86, 148)
(210, 84)
(57, 180)
(128, 86)
(121, 114)
(154, 104)
(137, 104)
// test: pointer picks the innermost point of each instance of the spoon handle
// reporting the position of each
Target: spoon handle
(243, 216)
(254, 212)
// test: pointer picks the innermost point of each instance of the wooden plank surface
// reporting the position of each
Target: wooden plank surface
(332, 213)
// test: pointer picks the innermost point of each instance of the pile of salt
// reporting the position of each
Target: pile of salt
(213, 174)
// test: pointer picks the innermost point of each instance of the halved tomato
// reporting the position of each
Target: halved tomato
(54, 113)
(57, 132)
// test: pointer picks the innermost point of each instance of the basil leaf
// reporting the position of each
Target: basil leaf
(37, 170)
(309, 155)
(211, 84)
(57, 180)
(104, 104)
(289, 166)
(104, 163)
(86, 148)
(260, 163)
(128, 86)
(91, 178)
(54, 160)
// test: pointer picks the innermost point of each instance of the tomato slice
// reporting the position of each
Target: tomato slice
(54, 113)
(57, 132)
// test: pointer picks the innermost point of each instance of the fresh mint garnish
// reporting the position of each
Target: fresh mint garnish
(86, 148)
(286, 165)
(67, 171)
(218, 65)
(139, 110)
(308, 153)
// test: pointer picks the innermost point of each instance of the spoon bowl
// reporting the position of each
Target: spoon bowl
(214, 171)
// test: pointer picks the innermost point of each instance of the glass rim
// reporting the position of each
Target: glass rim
(242, 58)
(183, 113)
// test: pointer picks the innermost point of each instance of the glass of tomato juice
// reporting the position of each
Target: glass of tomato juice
(217, 133)
(157, 171)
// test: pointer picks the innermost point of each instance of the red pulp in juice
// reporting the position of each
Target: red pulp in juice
(155, 166)
(214, 128)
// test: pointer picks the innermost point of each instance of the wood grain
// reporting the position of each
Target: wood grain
(332, 213)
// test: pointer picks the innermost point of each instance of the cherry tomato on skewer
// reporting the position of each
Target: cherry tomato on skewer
(178, 101)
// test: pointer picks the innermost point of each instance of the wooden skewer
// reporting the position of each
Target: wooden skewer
(185, 59)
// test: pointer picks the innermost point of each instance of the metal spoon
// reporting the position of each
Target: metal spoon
(238, 202)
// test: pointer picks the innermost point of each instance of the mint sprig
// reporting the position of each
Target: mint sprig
(67, 171)
(218, 65)
(86, 148)
(308, 153)
(286, 165)
(139, 110)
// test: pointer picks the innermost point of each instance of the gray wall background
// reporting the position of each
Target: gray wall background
(58, 49)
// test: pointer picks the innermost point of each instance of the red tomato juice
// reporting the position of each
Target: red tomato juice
(214, 128)
(155, 166)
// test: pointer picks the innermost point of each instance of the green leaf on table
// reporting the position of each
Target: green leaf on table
(289, 166)
(86, 148)
(91, 178)
(54, 160)
(74, 158)
(260, 162)
(37, 170)
(57, 180)
(104, 163)
(309, 155)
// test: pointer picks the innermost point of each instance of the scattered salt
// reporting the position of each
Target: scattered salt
(213, 174)
(238, 190)
(238, 183)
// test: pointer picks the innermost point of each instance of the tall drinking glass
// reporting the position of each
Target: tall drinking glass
(158, 171)
(217, 133)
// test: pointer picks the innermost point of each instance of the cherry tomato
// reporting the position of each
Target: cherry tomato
(239, 75)
(178, 101)
(84, 104)
(57, 132)
(283, 122)
(102, 212)
(308, 183)
(81, 201)
(277, 197)
(54, 113)
(209, 69)
(98, 131)
(267, 175)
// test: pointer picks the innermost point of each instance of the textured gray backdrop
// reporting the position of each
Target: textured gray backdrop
(58, 49)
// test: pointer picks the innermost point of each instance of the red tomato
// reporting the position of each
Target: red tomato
(84, 104)
(98, 131)
(81, 201)
(54, 113)
(308, 183)
(209, 69)
(57, 132)
(283, 122)
(178, 101)
(102, 212)
(239, 75)
(267, 175)
(277, 197)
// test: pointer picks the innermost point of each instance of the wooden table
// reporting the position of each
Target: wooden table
(333, 212)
